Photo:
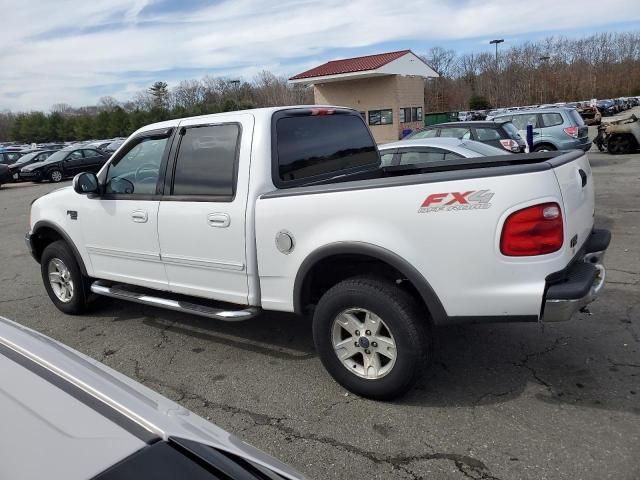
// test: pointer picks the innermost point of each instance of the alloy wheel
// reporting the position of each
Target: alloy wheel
(363, 343)
(60, 280)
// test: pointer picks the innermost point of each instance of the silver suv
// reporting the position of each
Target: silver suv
(553, 128)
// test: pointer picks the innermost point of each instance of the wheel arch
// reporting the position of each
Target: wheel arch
(45, 233)
(381, 257)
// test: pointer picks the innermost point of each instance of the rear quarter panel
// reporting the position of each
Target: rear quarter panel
(457, 251)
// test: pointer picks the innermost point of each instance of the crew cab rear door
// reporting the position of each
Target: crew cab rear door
(201, 221)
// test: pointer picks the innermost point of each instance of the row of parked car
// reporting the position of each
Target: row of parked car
(559, 128)
(55, 162)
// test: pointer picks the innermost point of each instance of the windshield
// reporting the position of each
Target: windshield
(56, 157)
(27, 157)
(482, 148)
(511, 129)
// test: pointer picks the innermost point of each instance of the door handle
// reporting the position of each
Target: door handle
(221, 220)
(139, 216)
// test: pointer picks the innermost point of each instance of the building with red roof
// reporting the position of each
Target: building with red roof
(387, 89)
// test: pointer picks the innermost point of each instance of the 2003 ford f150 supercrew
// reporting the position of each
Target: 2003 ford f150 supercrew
(289, 209)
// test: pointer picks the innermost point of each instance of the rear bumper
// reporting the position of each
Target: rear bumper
(580, 283)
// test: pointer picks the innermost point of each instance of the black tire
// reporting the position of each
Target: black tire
(55, 175)
(78, 302)
(407, 323)
(621, 144)
(544, 147)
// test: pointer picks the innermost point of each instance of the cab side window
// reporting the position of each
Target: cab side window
(75, 155)
(206, 164)
(138, 170)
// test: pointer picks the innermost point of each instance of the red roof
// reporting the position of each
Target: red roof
(348, 65)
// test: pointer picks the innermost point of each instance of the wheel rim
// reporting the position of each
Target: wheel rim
(60, 280)
(363, 343)
(56, 176)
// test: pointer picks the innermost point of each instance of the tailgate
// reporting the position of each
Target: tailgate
(576, 185)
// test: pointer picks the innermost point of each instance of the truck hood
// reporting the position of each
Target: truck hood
(153, 412)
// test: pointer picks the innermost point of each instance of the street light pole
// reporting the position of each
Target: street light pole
(544, 59)
(496, 42)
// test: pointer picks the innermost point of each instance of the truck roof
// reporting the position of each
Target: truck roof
(264, 113)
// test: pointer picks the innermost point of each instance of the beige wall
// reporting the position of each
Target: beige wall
(376, 93)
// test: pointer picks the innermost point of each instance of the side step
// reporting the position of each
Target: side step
(134, 294)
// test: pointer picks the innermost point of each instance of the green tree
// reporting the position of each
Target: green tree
(102, 124)
(83, 128)
(160, 94)
(118, 123)
(478, 102)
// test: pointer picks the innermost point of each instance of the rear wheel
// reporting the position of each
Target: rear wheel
(55, 175)
(621, 144)
(372, 337)
(66, 286)
(545, 147)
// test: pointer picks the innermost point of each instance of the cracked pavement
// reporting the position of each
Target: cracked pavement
(503, 401)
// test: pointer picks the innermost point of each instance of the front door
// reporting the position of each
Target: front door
(202, 220)
(120, 226)
(73, 163)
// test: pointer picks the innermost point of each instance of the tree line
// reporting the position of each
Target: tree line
(555, 69)
(111, 118)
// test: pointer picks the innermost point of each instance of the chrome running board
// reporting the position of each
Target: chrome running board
(122, 293)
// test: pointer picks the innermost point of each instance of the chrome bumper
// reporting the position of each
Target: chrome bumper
(584, 281)
(559, 310)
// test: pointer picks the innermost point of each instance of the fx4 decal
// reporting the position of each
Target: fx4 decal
(455, 201)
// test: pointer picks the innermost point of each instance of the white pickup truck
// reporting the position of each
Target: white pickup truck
(289, 209)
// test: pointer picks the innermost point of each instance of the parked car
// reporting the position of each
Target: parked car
(607, 107)
(8, 157)
(429, 150)
(501, 134)
(97, 423)
(28, 159)
(113, 146)
(5, 175)
(63, 164)
(554, 128)
(492, 113)
(288, 209)
(590, 115)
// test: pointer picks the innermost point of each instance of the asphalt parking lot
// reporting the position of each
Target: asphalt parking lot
(507, 401)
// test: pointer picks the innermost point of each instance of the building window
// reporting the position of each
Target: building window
(380, 117)
(410, 114)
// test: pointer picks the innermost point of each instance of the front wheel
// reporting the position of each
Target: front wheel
(372, 337)
(66, 286)
(55, 176)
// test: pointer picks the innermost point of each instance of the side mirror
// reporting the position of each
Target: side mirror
(85, 182)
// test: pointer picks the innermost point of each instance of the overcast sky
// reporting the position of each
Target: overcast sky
(76, 51)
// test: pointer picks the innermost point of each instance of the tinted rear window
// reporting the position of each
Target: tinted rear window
(206, 161)
(577, 119)
(511, 130)
(315, 146)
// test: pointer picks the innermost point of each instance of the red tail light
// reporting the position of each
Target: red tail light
(571, 131)
(322, 111)
(510, 145)
(535, 230)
